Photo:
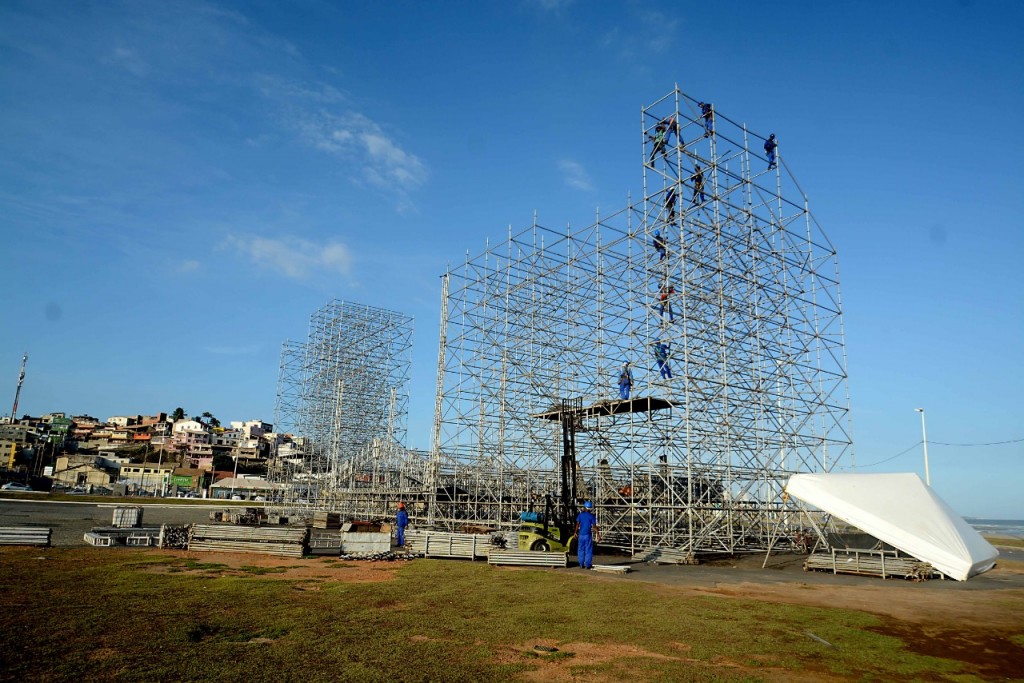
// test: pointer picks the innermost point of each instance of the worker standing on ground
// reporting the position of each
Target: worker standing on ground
(401, 521)
(661, 356)
(698, 184)
(659, 245)
(708, 112)
(586, 531)
(625, 380)
(769, 149)
(659, 141)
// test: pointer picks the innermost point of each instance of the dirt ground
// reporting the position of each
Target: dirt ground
(968, 621)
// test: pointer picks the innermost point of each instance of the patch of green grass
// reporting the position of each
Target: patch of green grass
(1006, 541)
(1017, 639)
(449, 620)
(204, 566)
(249, 569)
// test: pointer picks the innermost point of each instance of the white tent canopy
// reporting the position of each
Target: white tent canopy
(901, 510)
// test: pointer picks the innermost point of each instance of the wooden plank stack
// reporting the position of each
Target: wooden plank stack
(25, 535)
(885, 564)
(281, 541)
(326, 520)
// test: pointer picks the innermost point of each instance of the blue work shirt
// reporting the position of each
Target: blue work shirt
(402, 518)
(587, 522)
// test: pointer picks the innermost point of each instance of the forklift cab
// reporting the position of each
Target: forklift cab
(545, 532)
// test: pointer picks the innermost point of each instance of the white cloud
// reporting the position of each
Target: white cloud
(278, 87)
(292, 257)
(382, 162)
(188, 266)
(575, 175)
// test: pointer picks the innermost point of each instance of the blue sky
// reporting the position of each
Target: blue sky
(183, 183)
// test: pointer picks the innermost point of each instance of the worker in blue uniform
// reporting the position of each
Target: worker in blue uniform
(586, 534)
(769, 149)
(625, 380)
(661, 353)
(660, 246)
(401, 521)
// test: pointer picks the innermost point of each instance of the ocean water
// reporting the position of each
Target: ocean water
(1008, 528)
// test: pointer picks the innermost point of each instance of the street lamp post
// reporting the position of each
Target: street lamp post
(924, 440)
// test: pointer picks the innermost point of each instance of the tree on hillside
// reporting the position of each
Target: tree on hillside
(211, 420)
(178, 414)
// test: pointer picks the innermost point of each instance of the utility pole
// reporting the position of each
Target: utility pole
(17, 393)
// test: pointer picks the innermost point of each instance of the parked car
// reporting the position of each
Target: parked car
(15, 486)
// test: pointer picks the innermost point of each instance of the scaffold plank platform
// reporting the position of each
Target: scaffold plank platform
(642, 404)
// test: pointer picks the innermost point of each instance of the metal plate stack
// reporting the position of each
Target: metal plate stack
(528, 558)
(25, 535)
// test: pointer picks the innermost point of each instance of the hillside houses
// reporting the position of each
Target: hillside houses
(155, 454)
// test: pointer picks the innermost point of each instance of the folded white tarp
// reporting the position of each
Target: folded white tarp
(901, 510)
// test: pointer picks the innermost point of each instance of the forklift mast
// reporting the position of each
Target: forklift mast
(570, 413)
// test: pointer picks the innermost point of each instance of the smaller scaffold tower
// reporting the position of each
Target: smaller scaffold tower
(343, 395)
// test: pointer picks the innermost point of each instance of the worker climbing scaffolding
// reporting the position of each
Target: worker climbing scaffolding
(660, 142)
(670, 204)
(707, 111)
(698, 185)
(659, 245)
(665, 295)
(769, 149)
(661, 355)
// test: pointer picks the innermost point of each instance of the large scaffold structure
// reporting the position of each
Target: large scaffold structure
(343, 395)
(722, 292)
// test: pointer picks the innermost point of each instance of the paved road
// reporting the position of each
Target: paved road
(70, 520)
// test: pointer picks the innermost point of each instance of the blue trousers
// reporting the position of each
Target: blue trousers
(771, 159)
(666, 373)
(585, 551)
(623, 391)
(401, 536)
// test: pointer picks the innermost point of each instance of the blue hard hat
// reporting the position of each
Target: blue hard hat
(588, 505)
(657, 233)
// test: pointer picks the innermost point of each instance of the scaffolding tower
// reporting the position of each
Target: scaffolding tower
(343, 395)
(722, 292)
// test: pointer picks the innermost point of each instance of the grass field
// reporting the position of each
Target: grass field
(1006, 541)
(99, 614)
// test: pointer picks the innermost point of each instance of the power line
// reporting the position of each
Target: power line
(893, 457)
(991, 443)
(942, 443)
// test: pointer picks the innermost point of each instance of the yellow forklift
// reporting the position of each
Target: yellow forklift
(554, 528)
